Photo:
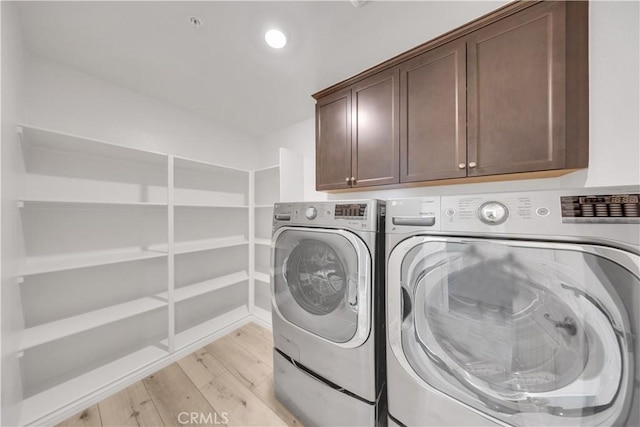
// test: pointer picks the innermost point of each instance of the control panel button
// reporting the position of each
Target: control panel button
(493, 213)
(311, 212)
(542, 211)
(450, 212)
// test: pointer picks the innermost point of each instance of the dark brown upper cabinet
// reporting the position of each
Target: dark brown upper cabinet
(433, 128)
(505, 94)
(375, 148)
(357, 137)
(517, 74)
(333, 141)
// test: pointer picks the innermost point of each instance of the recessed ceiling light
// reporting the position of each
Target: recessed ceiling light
(275, 38)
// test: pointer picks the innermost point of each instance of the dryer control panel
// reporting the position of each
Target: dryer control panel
(596, 215)
(610, 208)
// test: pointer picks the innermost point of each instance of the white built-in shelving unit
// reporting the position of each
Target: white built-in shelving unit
(131, 259)
(95, 233)
(266, 192)
(211, 242)
(281, 182)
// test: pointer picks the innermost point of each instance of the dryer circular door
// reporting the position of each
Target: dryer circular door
(529, 333)
(321, 283)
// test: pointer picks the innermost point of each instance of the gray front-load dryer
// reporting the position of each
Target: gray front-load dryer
(328, 302)
(514, 309)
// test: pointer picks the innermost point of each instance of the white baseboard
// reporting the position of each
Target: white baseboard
(261, 317)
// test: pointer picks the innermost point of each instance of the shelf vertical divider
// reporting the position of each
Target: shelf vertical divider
(170, 254)
(252, 241)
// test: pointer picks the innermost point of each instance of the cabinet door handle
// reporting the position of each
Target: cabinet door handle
(353, 181)
(472, 165)
(348, 180)
(461, 165)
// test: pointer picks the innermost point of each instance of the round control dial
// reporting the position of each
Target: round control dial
(311, 212)
(493, 213)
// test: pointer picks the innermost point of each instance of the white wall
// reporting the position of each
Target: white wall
(12, 248)
(614, 67)
(614, 118)
(64, 99)
(299, 138)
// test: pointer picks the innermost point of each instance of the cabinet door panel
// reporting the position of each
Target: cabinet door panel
(433, 117)
(375, 130)
(516, 101)
(333, 141)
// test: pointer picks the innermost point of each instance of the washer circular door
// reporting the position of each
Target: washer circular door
(529, 333)
(321, 283)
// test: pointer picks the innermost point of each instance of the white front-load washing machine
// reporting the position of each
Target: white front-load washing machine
(514, 309)
(328, 311)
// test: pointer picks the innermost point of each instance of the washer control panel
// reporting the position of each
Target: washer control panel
(351, 210)
(360, 215)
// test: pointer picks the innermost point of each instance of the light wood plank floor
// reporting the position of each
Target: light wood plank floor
(229, 382)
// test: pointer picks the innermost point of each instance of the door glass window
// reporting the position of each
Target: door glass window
(318, 282)
(316, 276)
(536, 341)
(529, 333)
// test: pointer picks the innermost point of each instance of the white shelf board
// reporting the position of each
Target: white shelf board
(209, 205)
(210, 327)
(262, 277)
(72, 325)
(32, 136)
(263, 242)
(197, 289)
(46, 402)
(28, 202)
(266, 168)
(185, 163)
(263, 206)
(58, 329)
(53, 263)
(208, 244)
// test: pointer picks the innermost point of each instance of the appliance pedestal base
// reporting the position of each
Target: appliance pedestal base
(314, 402)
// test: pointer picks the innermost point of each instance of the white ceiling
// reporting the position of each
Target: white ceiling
(224, 70)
